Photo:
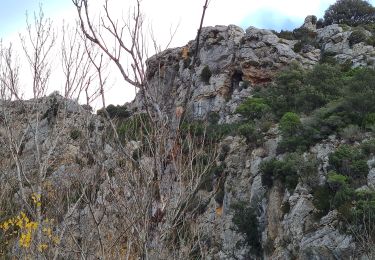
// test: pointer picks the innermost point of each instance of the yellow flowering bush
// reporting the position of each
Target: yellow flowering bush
(24, 225)
(26, 228)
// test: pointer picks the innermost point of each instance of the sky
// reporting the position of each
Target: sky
(167, 16)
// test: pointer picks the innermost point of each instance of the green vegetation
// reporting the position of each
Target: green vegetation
(332, 99)
(285, 171)
(253, 108)
(303, 35)
(75, 134)
(119, 112)
(246, 222)
(356, 36)
(290, 124)
(350, 162)
(350, 12)
(134, 128)
(251, 134)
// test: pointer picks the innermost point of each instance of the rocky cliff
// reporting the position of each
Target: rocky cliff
(93, 186)
(239, 62)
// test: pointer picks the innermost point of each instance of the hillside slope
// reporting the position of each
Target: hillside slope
(272, 159)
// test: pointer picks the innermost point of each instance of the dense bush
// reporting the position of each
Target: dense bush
(134, 128)
(322, 200)
(75, 134)
(332, 99)
(363, 215)
(288, 35)
(305, 37)
(349, 161)
(336, 181)
(320, 23)
(350, 12)
(356, 36)
(368, 147)
(249, 131)
(253, 108)
(213, 117)
(118, 111)
(351, 133)
(290, 124)
(285, 171)
(294, 134)
(210, 132)
(246, 222)
(369, 121)
(298, 90)
(370, 40)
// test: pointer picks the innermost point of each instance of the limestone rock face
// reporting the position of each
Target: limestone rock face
(310, 23)
(335, 41)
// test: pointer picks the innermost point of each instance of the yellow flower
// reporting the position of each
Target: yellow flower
(25, 240)
(5, 226)
(42, 247)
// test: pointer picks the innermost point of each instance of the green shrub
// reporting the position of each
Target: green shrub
(290, 124)
(118, 111)
(285, 171)
(298, 46)
(336, 181)
(308, 171)
(246, 222)
(350, 162)
(288, 35)
(251, 134)
(363, 215)
(305, 37)
(356, 36)
(208, 132)
(328, 58)
(350, 12)
(368, 147)
(206, 182)
(219, 196)
(320, 23)
(351, 133)
(370, 40)
(215, 133)
(359, 169)
(342, 198)
(213, 117)
(134, 128)
(75, 134)
(218, 171)
(322, 200)
(369, 121)
(196, 129)
(291, 144)
(253, 108)
(206, 74)
(314, 19)
(266, 169)
(285, 207)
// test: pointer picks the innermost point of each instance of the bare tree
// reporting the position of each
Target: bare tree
(151, 211)
(138, 207)
(31, 133)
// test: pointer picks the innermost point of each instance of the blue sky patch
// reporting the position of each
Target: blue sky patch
(269, 19)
